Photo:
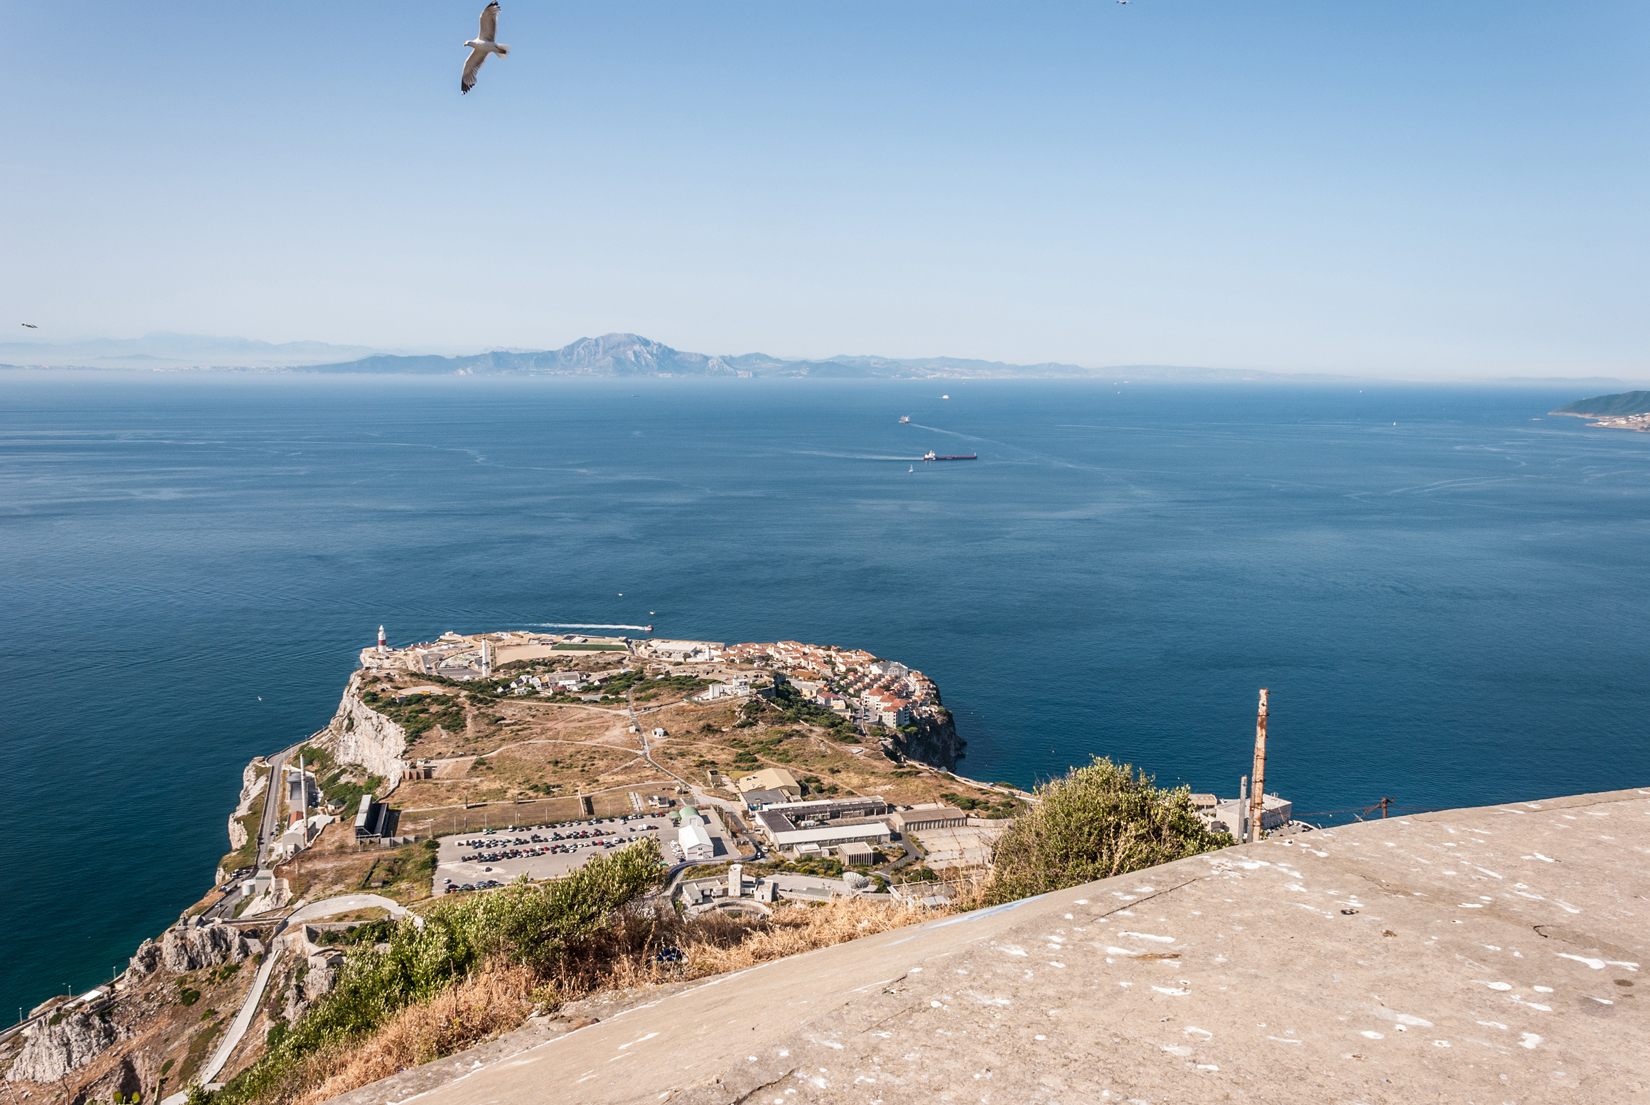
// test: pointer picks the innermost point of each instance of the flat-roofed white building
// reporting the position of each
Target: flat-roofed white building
(826, 836)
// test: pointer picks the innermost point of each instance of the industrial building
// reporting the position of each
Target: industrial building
(771, 778)
(825, 836)
(831, 809)
(931, 817)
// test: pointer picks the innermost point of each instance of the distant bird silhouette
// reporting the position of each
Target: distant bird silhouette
(31, 326)
(482, 45)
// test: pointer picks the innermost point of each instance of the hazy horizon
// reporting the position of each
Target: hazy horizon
(103, 354)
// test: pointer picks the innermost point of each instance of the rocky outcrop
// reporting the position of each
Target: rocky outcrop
(147, 958)
(319, 978)
(125, 1079)
(361, 735)
(935, 742)
(190, 947)
(253, 783)
(53, 1050)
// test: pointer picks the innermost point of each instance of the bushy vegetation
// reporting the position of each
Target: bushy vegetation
(334, 780)
(417, 714)
(793, 707)
(676, 686)
(1101, 820)
(1000, 807)
(523, 925)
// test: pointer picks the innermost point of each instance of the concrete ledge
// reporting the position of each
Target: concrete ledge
(1499, 954)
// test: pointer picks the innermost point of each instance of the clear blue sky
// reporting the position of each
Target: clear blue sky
(1410, 189)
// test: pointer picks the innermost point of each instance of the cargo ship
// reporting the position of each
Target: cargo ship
(930, 455)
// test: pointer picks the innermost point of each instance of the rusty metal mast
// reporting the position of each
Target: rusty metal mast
(1257, 793)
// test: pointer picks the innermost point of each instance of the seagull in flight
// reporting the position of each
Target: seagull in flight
(31, 326)
(482, 45)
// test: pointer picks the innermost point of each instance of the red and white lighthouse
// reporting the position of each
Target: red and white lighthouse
(383, 646)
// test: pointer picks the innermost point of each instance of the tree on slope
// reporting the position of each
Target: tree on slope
(1101, 820)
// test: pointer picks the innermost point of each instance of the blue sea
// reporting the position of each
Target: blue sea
(1445, 590)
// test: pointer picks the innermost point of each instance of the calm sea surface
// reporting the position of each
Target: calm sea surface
(1447, 597)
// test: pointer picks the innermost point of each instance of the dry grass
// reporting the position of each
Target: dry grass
(621, 957)
(477, 1008)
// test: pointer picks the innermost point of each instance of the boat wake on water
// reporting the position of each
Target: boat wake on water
(584, 625)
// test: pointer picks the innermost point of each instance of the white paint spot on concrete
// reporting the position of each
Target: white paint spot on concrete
(1499, 985)
(1565, 906)
(1171, 992)
(1367, 1034)
(643, 1040)
(1193, 1030)
(1529, 1040)
(1542, 989)
(1012, 949)
(1596, 964)
(1051, 963)
(1281, 1040)
(1207, 1066)
(1472, 905)
(1402, 1018)
(1493, 1024)
(1176, 1049)
(1039, 1037)
(1148, 936)
(1440, 1043)
(1122, 951)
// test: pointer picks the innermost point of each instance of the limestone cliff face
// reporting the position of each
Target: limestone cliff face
(53, 1050)
(358, 734)
(935, 742)
(252, 785)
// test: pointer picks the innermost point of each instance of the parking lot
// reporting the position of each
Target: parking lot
(480, 859)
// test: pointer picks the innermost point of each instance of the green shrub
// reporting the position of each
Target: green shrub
(530, 924)
(1101, 820)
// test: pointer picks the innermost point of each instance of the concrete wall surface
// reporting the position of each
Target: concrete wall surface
(1487, 955)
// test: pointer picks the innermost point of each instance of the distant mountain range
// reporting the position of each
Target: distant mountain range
(633, 355)
(162, 349)
(614, 355)
(608, 355)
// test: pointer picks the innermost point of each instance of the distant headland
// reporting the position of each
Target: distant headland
(1627, 410)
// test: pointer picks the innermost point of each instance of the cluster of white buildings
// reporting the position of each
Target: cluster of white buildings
(851, 682)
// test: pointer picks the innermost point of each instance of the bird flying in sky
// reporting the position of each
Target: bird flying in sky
(482, 45)
(31, 326)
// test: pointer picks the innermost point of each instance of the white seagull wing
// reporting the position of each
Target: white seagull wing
(489, 22)
(471, 64)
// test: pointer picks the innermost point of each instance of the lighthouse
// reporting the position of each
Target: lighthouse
(383, 646)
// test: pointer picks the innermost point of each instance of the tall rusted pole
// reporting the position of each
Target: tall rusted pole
(1257, 793)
